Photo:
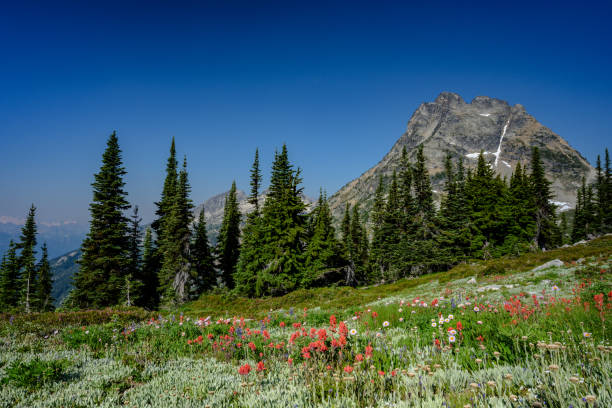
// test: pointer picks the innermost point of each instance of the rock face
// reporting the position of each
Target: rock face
(504, 133)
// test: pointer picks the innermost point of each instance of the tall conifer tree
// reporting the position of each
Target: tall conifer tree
(27, 262)
(149, 272)
(9, 279)
(202, 256)
(45, 283)
(228, 245)
(105, 260)
(546, 230)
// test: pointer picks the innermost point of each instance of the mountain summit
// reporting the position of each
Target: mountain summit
(504, 133)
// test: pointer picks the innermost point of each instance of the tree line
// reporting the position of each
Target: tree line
(25, 283)
(282, 244)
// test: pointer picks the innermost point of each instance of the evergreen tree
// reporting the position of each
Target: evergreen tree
(255, 183)
(250, 259)
(579, 224)
(378, 263)
(323, 252)
(45, 283)
(150, 281)
(202, 257)
(228, 245)
(520, 225)
(9, 278)
(175, 280)
(134, 283)
(168, 193)
(283, 235)
(546, 230)
(564, 227)
(390, 233)
(606, 202)
(27, 263)
(105, 260)
(358, 250)
(345, 228)
(426, 256)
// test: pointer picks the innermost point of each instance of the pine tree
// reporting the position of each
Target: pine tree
(9, 278)
(546, 230)
(150, 281)
(202, 257)
(228, 245)
(601, 197)
(175, 279)
(45, 283)
(580, 219)
(323, 252)
(564, 227)
(105, 260)
(27, 263)
(283, 234)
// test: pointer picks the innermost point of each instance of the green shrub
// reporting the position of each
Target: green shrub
(35, 373)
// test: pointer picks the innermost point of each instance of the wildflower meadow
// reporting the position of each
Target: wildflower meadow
(478, 338)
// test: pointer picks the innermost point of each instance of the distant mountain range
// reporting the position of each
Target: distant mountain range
(60, 237)
(504, 133)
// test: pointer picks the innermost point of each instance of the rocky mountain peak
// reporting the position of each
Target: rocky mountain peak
(504, 133)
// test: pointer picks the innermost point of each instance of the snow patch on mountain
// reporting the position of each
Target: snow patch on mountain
(561, 205)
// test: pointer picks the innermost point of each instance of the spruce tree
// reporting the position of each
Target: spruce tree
(283, 234)
(250, 259)
(9, 278)
(390, 233)
(323, 252)
(168, 193)
(228, 245)
(105, 258)
(546, 230)
(378, 263)
(202, 257)
(175, 279)
(45, 283)
(358, 250)
(150, 281)
(134, 280)
(255, 183)
(27, 263)
(345, 227)
(607, 196)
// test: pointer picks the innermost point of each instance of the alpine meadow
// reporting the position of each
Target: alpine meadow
(465, 264)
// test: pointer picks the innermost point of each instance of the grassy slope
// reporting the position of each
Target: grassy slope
(345, 297)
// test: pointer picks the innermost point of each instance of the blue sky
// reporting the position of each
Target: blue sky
(336, 81)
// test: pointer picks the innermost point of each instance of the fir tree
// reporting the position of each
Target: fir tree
(345, 228)
(134, 284)
(390, 233)
(105, 260)
(201, 256)
(150, 282)
(546, 230)
(283, 234)
(27, 263)
(564, 227)
(255, 183)
(175, 278)
(378, 262)
(168, 193)
(250, 259)
(228, 245)
(45, 283)
(358, 249)
(606, 202)
(9, 278)
(323, 252)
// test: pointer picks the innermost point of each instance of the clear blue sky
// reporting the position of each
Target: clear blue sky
(336, 81)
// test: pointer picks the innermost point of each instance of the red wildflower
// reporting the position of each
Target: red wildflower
(332, 321)
(252, 346)
(260, 366)
(245, 369)
(359, 357)
(289, 361)
(348, 369)
(381, 373)
(368, 351)
(459, 326)
(282, 324)
(343, 329)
